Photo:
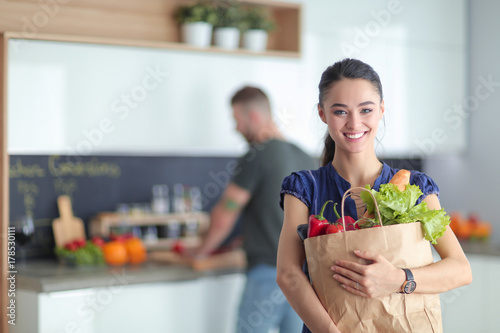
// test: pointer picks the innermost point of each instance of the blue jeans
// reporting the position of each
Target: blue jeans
(263, 306)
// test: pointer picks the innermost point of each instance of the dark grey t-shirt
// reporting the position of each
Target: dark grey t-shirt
(261, 171)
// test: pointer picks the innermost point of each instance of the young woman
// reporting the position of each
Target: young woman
(351, 105)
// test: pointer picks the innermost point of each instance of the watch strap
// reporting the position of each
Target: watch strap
(409, 274)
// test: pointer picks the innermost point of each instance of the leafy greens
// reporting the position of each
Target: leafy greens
(397, 207)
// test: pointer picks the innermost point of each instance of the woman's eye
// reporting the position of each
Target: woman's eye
(339, 112)
(366, 110)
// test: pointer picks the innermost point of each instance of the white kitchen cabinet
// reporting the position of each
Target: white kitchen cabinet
(208, 304)
(474, 308)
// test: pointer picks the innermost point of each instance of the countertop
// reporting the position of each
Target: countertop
(480, 247)
(51, 276)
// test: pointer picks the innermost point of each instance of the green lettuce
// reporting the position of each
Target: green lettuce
(397, 207)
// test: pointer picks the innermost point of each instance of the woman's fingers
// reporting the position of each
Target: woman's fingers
(350, 285)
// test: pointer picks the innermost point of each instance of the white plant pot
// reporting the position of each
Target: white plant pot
(227, 38)
(197, 34)
(255, 40)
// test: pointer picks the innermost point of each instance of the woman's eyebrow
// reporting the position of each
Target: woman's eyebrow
(344, 106)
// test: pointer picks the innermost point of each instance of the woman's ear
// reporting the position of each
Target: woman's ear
(382, 109)
(321, 113)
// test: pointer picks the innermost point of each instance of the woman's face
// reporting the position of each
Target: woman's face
(352, 110)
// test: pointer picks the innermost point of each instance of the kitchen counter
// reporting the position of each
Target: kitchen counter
(481, 248)
(51, 297)
(50, 276)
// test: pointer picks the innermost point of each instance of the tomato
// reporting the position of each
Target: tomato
(80, 242)
(178, 247)
(334, 228)
(71, 246)
(96, 240)
(117, 238)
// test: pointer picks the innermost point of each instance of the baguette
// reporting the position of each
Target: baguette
(401, 179)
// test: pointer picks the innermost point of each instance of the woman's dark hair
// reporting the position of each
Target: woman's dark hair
(344, 69)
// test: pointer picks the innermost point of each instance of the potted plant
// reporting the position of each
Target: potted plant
(256, 24)
(197, 22)
(227, 27)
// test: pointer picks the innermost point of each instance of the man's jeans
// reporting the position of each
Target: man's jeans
(264, 307)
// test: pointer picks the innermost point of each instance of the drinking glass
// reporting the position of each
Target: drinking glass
(24, 230)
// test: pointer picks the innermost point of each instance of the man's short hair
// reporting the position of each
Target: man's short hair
(251, 95)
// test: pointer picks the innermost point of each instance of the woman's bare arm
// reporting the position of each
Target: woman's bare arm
(291, 279)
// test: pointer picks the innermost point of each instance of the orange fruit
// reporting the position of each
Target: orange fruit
(136, 250)
(115, 253)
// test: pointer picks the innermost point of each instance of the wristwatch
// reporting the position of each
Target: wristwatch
(409, 285)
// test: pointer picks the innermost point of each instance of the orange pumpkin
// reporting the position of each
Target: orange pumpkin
(115, 253)
(136, 250)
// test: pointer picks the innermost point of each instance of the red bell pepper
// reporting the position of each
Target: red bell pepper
(318, 223)
(350, 223)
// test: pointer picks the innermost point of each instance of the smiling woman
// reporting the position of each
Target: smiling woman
(351, 105)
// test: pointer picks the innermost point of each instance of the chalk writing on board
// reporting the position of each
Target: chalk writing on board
(29, 191)
(58, 167)
(65, 187)
(20, 170)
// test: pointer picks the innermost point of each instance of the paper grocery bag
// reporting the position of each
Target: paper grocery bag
(401, 244)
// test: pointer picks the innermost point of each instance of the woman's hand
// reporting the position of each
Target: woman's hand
(378, 278)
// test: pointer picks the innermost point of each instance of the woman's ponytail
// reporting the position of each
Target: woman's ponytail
(328, 150)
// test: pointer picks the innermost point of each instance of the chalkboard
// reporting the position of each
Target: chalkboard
(99, 183)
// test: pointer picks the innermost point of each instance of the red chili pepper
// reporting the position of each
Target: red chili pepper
(350, 223)
(318, 223)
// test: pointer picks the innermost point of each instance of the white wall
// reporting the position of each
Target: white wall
(418, 48)
(471, 181)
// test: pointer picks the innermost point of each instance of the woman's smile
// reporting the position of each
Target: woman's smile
(354, 136)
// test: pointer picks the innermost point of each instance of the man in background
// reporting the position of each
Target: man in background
(253, 195)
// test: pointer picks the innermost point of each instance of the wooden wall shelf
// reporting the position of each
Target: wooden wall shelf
(145, 43)
(148, 23)
(103, 224)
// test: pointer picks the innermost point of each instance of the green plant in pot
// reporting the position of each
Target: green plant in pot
(257, 22)
(197, 21)
(228, 24)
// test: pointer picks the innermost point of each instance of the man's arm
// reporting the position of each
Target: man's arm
(223, 217)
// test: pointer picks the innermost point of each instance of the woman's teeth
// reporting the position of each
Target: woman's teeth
(355, 136)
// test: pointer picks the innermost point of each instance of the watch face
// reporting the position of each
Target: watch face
(409, 287)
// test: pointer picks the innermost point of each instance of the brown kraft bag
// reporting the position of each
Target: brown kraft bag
(401, 244)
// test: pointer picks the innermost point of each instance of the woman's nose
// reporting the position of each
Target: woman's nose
(353, 121)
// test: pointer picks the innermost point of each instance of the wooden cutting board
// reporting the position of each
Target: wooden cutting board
(67, 227)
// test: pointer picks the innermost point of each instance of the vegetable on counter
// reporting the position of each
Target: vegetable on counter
(80, 252)
(470, 228)
(318, 223)
(397, 204)
(97, 251)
